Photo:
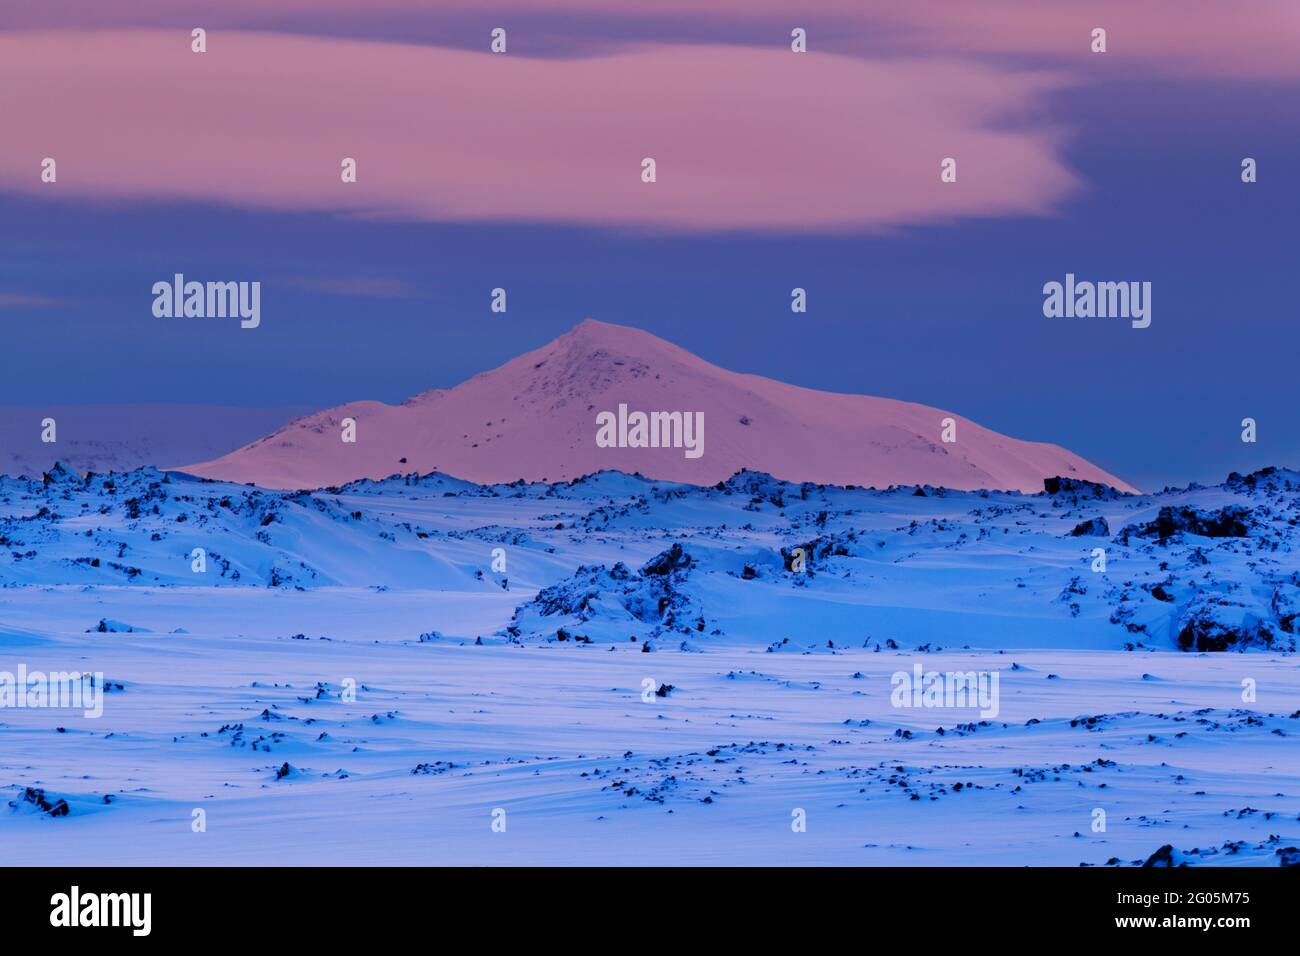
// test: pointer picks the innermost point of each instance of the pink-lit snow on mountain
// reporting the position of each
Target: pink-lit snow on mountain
(535, 418)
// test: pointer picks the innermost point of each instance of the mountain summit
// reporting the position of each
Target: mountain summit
(536, 418)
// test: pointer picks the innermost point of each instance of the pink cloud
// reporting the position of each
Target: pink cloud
(1257, 38)
(744, 138)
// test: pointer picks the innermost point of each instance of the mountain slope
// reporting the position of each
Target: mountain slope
(536, 418)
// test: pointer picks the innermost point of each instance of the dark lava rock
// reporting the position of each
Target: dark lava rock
(668, 561)
(1201, 632)
(1162, 857)
(1091, 527)
(1228, 522)
(36, 796)
(1060, 485)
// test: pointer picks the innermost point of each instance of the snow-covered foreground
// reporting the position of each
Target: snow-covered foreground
(348, 714)
(587, 771)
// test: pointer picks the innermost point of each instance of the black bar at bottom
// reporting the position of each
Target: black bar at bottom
(372, 904)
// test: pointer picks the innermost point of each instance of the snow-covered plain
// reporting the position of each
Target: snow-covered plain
(531, 690)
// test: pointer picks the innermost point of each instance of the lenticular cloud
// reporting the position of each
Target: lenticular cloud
(743, 138)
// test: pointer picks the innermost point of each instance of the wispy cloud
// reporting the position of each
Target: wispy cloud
(28, 300)
(358, 287)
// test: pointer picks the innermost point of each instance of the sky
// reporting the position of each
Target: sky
(775, 170)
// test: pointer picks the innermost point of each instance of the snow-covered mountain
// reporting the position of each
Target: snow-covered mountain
(535, 418)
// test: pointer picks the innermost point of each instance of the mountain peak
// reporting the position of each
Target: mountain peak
(595, 336)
